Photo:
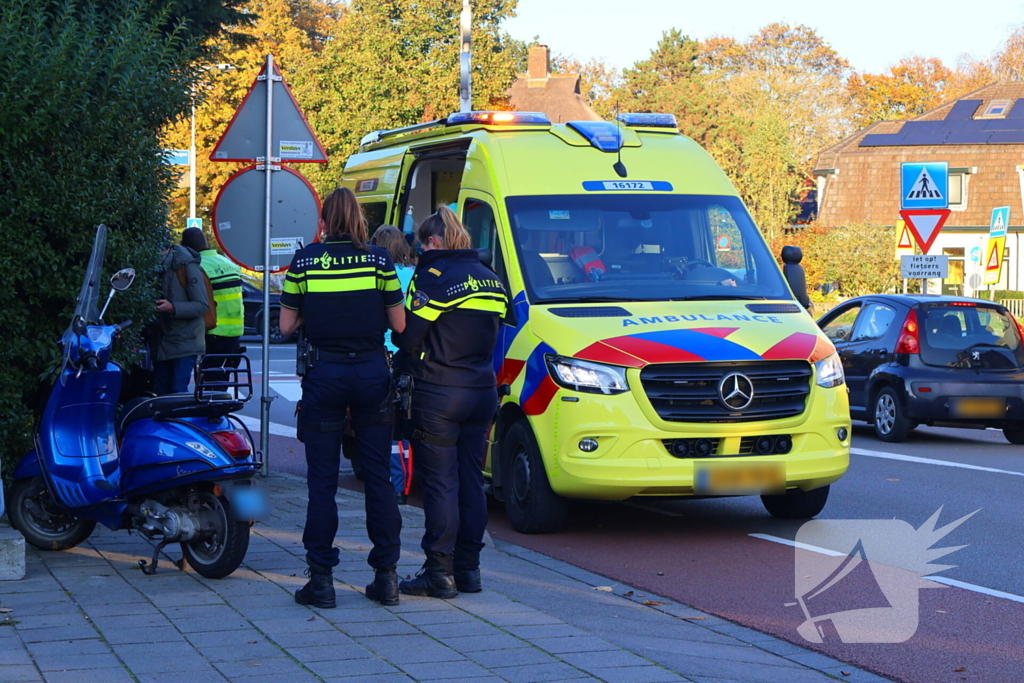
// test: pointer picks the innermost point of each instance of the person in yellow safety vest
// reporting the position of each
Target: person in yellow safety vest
(226, 281)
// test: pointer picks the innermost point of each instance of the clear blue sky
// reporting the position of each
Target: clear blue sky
(870, 34)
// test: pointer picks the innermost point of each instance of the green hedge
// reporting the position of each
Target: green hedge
(86, 89)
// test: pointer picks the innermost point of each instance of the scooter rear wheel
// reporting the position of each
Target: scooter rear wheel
(220, 555)
(40, 521)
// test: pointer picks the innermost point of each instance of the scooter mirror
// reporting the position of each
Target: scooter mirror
(123, 279)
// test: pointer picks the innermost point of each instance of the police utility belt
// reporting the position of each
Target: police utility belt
(308, 356)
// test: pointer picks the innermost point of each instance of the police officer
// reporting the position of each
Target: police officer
(345, 293)
(454, 308)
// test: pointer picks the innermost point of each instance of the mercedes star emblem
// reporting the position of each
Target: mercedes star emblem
(736, 391)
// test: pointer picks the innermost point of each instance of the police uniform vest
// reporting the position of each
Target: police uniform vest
(341, 292)
(454, 308)
(226, 282)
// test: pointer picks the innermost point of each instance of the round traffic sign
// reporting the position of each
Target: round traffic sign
(724, 243)
(238, 217)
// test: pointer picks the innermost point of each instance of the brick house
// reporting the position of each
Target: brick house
(981, 136)
(557, 95)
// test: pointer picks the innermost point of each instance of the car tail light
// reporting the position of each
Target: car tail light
(963, 303)
(1020, 328)
(234, 443)
(909, 339)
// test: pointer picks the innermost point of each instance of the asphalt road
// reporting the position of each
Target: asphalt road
(701, 552)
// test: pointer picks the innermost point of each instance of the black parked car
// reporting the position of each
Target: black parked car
(933, 360)
(252, 299)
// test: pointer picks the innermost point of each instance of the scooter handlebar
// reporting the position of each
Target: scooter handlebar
(123, 325)
(90, 363)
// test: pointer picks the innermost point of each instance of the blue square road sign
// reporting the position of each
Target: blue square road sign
(924, 185)
(194, 223)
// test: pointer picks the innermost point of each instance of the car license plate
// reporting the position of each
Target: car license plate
(978, 407)
(738, 479)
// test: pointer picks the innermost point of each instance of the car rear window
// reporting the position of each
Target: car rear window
(969, 336)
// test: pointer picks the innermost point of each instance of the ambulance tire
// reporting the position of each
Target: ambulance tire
(796, 503)
(532, 507)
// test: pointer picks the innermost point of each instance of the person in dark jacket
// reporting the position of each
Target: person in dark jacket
(346, 294)
(454, 308)
(180, 330)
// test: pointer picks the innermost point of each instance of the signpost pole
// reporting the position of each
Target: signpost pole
(268, 168)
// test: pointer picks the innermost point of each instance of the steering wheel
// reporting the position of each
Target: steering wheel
(698, 262)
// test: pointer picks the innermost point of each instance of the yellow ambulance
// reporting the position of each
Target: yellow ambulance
(655, 348)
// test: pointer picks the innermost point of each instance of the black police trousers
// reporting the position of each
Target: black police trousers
(448, 444)
(328, 388)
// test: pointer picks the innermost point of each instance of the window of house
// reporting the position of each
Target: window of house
(954, 284)
(996, 108)
(958, 191)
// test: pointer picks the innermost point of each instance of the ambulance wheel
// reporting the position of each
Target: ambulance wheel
(796, 503)
(223, 550)
(43, 524)
(533, 508)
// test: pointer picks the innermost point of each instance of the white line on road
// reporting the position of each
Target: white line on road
(276, 429)
(937, 579)
(930, 461)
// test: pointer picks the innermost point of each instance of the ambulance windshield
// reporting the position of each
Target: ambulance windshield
(623, 247)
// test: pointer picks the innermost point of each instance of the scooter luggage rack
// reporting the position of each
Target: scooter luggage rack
(223, 383)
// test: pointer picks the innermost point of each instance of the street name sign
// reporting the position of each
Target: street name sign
(921, 266)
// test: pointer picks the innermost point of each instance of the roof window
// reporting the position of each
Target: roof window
(996, 109)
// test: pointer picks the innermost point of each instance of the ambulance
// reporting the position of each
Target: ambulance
(654, 348)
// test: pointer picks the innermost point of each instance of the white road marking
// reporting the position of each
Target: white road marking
(930, 461)
(277, 429)
(290, 390)
(937, 579)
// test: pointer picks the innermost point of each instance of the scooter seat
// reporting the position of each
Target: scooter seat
(175, 405)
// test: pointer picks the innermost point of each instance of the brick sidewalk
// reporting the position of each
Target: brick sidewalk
(89, 615)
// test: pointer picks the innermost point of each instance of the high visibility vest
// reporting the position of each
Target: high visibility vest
(226, 280)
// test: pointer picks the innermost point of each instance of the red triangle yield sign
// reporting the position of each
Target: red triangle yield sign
(905, 239)
(245, 138)
(925, 225)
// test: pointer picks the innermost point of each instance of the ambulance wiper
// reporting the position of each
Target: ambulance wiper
(718, 297)
(585, 299)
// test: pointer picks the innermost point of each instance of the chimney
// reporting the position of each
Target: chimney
(539, 63)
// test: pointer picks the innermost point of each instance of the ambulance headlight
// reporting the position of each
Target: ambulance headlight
(829, 371)
(584, 375)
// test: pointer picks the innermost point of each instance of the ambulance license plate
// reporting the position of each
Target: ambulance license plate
(738, 479)
(978, 407)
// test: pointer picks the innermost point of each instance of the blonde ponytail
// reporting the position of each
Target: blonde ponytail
(445, 225)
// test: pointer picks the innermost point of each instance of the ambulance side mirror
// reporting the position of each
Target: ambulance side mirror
(794, 272)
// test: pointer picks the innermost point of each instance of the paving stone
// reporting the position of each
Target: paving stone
(52, 648)
(637, 674)
(288, 639)
(282, 667)
(14, 655)
(65, 662)
(540, 673)
(588, 661)
(393, 678)
(119, 675)
(499, 641)
(234, 653)
(49, 622)
(520, 618)
(208, 677)
(447, 671)
(18, 673)
(444, 631)
(328, 653)
(361, 629)
(149, 634)
(146, 620)
(854, 675)
(351, 667)
(516, 657)
(222, 638)
(545, 631)
(571, 644)
(64, 633)
(300, 677)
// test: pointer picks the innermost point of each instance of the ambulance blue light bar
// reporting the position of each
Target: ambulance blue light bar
(648, 120)
(507, 118)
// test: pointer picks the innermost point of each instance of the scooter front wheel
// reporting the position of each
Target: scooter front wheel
(43, 524)
(220, 554)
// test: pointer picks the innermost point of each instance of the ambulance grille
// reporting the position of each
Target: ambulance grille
(688, 392)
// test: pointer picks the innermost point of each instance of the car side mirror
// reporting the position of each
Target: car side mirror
(123, 279)
(794, 274)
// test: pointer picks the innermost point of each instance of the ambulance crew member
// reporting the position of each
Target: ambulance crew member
(345, 292)
(454, 308)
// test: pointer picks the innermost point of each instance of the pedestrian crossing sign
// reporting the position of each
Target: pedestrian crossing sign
(924, 185)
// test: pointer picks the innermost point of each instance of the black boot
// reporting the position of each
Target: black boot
(467, 571)
(384, 588)
(468, 581)
(319, 590)
(434, 580)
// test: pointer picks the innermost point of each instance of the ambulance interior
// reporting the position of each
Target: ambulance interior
(641, 247)
(434, 181)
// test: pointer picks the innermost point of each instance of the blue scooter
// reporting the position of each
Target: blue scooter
(178, 468)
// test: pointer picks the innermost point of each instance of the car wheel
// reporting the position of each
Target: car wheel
(891, 423)
(275, 326)
(533, 508)
(1014, 434)
(796, 503)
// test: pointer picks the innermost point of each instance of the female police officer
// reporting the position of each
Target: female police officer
(454, 308)
(345, 292)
